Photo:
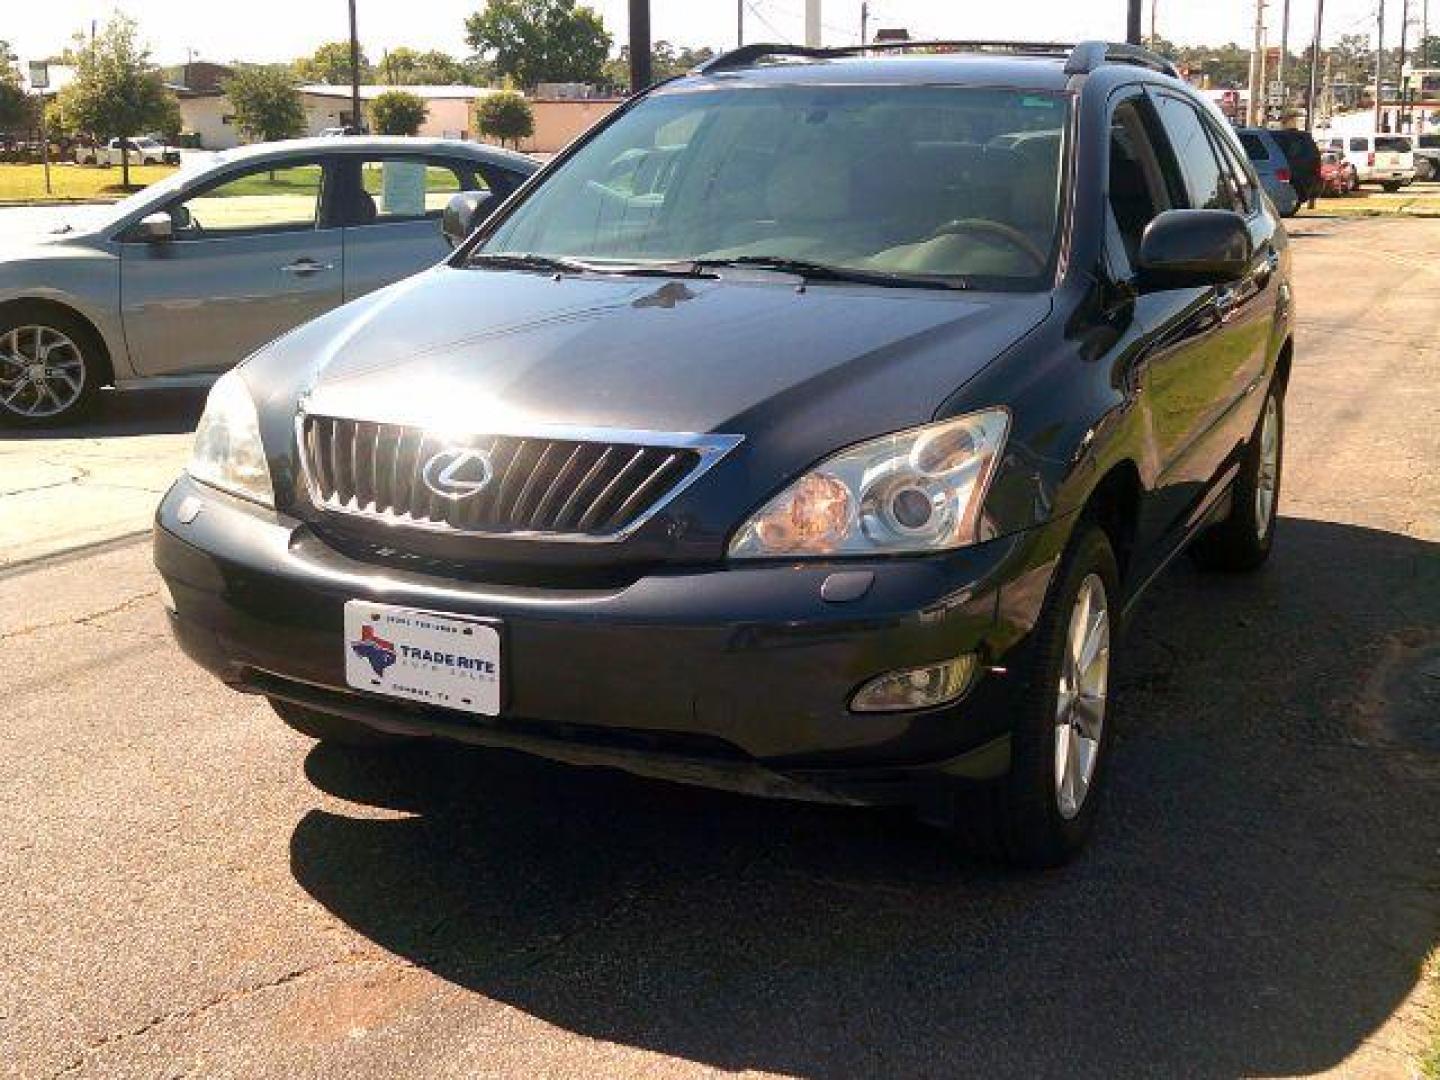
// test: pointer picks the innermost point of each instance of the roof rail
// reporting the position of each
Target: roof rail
(1081, 59)
(1089, 55)
(749, 54)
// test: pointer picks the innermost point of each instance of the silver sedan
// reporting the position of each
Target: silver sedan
(184, 279)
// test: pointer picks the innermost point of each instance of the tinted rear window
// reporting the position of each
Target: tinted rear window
(1254, 146)
(1392, 144)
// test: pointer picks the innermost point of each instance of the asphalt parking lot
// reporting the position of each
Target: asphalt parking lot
(191, 889)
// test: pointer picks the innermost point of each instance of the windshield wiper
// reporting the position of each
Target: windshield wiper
(529, 261)
(814, 271)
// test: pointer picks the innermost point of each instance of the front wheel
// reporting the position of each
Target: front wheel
(1044, 810)
(51, 367)
(1391, 186)
(1243, 540)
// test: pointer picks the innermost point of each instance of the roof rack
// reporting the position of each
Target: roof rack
(1081, 59)
(1089, 55)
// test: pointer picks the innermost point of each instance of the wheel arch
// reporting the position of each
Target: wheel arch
(1114, 505)
(45, 303)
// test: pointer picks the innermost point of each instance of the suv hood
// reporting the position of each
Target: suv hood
(487, 350)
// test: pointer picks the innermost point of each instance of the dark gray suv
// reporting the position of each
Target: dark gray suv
(808, 429)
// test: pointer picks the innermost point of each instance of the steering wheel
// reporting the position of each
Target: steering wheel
(1008, 234)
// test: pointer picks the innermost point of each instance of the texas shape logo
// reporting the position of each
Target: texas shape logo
(372, 647)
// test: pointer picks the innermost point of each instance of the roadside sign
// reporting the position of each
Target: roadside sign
(39, 75)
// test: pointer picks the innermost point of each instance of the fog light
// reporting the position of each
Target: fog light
(916, 688)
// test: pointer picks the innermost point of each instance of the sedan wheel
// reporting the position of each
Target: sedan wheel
(48, 368)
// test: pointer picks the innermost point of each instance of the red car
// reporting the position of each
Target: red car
(1337, 176)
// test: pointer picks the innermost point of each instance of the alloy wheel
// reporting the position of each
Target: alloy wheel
(1080, 704)
(1267, 476)
(42, 371)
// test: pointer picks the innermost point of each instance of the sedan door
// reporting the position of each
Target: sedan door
(251, 256)
(393, 208)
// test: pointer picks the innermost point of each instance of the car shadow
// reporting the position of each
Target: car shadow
(1260, 897)
(128, 413)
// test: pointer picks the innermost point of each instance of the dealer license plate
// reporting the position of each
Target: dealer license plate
(445, 660)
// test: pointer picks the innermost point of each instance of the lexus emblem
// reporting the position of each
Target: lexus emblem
(458, 472)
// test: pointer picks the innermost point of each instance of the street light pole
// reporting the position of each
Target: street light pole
(1133, 32)
(1380, 67)
(355, 119)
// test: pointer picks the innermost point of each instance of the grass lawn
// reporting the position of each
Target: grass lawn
(26, 183)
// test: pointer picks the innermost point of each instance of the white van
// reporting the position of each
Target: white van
(1387, 160)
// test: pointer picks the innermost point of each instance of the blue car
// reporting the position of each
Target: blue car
(1273, 168)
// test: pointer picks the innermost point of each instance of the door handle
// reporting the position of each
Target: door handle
(1226, 297)
(306, 267)
(1267, 268)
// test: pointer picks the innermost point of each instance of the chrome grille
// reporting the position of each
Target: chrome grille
(554, 485)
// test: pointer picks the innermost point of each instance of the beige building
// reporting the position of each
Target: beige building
(206, 111)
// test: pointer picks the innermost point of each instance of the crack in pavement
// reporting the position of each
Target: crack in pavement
(88, 619)
(184, 1015)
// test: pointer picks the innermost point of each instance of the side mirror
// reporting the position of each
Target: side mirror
(464, 213)
(1193, 248)
(155, 228)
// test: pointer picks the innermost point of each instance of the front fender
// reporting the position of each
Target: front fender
(84, 280)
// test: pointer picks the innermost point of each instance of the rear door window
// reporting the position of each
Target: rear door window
(404, 189)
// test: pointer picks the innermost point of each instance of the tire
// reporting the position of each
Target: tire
(1242, 542)
(76, 364)
(329, 728)
(1391, 186)
(1026, 818)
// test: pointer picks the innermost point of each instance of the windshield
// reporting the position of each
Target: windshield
(913, 181)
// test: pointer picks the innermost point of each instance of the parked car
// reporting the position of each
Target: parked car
(182, 280)
(143, 150)
(1427, 156)
(1387, 160)
(752, 465)
(1337, 176)
(1303, 155)
(1273, 168)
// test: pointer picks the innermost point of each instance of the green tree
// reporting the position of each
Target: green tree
(266, 101)
(404, 66)
(397, 112)
(117, 92)
(16, 108)
(330, 64)
(505, 116)
(534, 41)
(666, 61)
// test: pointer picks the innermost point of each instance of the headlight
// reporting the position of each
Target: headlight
(228, 453)
(914, 491)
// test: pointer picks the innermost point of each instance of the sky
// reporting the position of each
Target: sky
(269, 30)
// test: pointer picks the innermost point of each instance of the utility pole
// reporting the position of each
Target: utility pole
(865, 23)
(1400, 74)
(355, 119)
(812, 23)
(1133, 31)
(640, 69)
(1152, 21)
(1284, 51)
(1314, 67)
(1379, 67)
(739, 23)
(1254, 109)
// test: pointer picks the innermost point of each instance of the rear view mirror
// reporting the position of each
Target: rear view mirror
(1193, 248)
(155, 228)
(464, 214)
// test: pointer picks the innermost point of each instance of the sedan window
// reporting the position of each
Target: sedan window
(400, 189)
(265, 199)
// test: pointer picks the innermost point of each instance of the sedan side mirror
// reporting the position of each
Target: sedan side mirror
(1194, 248)
(465, 213)
(155, 228)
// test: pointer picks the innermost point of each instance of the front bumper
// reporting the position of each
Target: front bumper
(735, 677)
